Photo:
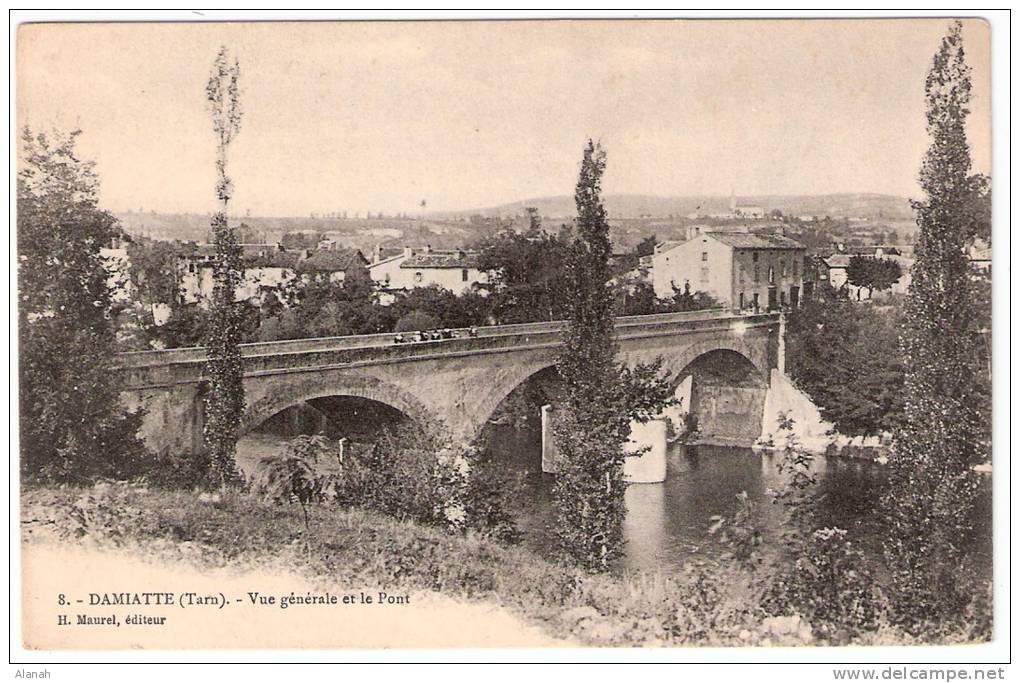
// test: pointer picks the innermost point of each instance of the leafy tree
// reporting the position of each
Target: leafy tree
(187, 327)
(528, 277)
(416, 320)
(283, 325)
(873, 273)
(72, 426)
(932, 487)
(300, 240)
(686, 301)
(601, 395)
(846, 357)
(443, 306)
(154, 281)
(534, 220)
(225, 398)
(323, 308)
(153, 273)
(636, 298)
(646, 247)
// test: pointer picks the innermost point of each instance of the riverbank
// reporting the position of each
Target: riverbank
(533, 600)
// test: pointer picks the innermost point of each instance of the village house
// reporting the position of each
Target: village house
(833, 268)
(456, 270)
(335, 264)
(268, 270)
(742, 270)
(979, 254)
(118, 267)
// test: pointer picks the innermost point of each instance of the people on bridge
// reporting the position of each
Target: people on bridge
(431, 335)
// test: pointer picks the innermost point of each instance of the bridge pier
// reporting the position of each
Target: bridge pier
(648, 438)
(174, 418)
(650, 466)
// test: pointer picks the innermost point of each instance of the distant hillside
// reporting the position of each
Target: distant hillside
(360, 233)
(633, 217)
(872, 206)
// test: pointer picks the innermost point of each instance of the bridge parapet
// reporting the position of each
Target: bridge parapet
(154, 369)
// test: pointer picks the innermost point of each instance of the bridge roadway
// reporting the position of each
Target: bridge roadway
(138, 359)
(461, 379)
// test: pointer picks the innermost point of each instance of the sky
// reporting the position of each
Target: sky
(377, 116)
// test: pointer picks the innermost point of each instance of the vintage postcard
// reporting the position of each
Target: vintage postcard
(347, 335)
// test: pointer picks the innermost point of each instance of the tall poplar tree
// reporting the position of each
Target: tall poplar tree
(602, 396)
(225, 398)
(932, 486)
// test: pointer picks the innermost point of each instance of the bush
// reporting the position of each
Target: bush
(413, 473)
(107, 512)
(490, 495)
(179, 471)
(306, 472)
(831, 585)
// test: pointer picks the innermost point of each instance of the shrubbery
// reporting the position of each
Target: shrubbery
(819, 573)
(414, 472)
(308, 471)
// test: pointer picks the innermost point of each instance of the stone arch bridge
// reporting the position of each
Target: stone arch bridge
(461, 380)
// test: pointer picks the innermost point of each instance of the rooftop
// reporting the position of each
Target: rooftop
(747, 240)
(838, 260)
(332, 261)
(442, 259)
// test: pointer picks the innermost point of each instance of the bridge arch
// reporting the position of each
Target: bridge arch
(724, 391)
(496, 394)
(679, 363)
(265, 400)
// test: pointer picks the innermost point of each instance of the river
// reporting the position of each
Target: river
(667, 524)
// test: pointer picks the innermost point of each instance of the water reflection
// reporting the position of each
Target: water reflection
(667, 524)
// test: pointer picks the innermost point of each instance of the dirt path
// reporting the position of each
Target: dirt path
(425, 620)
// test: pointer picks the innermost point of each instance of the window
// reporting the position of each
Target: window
(463, 275)
(741, 306)
(704, 273)
(417, 276)
(796, 268)
(704, 256)
(772, 275)
(387, 279)
(754, 256)
(782, 267)
(757, 273)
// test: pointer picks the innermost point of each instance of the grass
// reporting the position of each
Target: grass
(361, 549)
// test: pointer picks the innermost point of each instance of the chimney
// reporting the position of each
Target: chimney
(428, 248)
(377, 253)
(408, 251)
(460, 255)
